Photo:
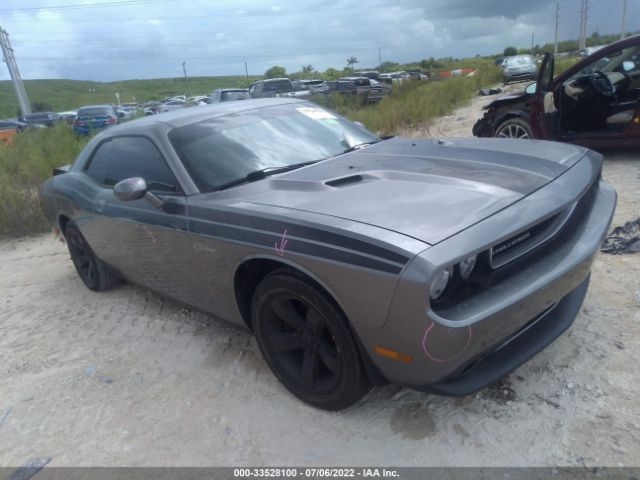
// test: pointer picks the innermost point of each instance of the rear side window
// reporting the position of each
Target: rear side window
(126, 157)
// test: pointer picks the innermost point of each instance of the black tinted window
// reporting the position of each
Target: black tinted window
(126, 157)
(95, 111)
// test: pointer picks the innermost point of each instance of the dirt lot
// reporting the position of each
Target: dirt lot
(127, 378)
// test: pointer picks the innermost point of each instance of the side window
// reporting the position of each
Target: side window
(126, 157)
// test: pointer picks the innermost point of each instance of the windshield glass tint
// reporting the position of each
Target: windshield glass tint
(224, 149)
(93, 111)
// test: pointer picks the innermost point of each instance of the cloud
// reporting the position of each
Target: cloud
(149, 40)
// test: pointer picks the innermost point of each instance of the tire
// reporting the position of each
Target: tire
(513, 128)
(95, 274)
(305, 340)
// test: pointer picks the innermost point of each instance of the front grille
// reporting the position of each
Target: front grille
(525, 241)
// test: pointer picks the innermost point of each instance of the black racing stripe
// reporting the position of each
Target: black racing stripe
(269, 240)
(310, 233)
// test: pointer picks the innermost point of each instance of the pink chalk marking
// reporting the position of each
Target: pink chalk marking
(426, 350)
(283, 244)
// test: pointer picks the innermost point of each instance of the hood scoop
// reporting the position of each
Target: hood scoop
(342, 181)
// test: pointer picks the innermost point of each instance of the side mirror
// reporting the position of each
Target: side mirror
(628, 65)
(129, 189)
(531, 88)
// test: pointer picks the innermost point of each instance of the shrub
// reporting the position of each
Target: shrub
(24, 166)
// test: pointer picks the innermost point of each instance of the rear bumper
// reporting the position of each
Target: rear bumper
(515, 351)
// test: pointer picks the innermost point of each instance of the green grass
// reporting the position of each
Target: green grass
(61, 95)
(23, 168)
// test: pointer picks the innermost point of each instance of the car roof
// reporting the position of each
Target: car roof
(96, 106)
(230, 90)
(187, 116)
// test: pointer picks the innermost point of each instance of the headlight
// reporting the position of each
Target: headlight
(466, 267)
(439, 283)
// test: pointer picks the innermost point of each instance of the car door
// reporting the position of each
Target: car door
(147, 245)
(543, 112)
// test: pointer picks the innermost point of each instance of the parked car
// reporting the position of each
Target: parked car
(126, 113)
(585, 52)
(518, 68)
(94, 117)
(68, 116)
(438, 264)
(171, 105)
(314, 86)
(276, 87)
(370, 89)
(151, 108)
(417, 74)
(367, 73)
(12, 124)
(595, 103)
(342, 86)
(40, 118)
(229, 95)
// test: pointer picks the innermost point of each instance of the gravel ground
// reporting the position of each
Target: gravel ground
(127, 378)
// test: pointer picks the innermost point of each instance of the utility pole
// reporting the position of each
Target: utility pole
(18, 86)
(555, 48)
(186, 79)
(379, 56)
(532, 42)
(584, 15)
(624, 17)
(246, 71)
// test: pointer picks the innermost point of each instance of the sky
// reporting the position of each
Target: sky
(106, 40)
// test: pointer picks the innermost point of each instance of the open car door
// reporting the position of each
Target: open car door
(543, 113)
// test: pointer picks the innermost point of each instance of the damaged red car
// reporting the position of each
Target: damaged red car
(595, 103)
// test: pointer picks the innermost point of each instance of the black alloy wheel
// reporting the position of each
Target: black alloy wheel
(306, 341)
(92, 271)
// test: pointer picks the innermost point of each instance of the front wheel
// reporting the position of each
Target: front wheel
(306, 341)
(513, 128)
(94, 273)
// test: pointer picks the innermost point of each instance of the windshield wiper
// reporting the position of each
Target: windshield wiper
(264, 173)
(358, 146)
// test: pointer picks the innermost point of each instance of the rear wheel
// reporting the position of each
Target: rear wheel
(513, 128)
(306, 342)
(93, 272)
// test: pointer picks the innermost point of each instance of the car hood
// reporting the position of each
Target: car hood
(425, 189)
(513, 97)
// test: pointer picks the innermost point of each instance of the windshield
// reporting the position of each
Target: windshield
(611, 62)
(224, 149)
(229, 96)
(519, 62)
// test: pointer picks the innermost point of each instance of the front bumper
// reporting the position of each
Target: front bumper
(515, 351)
(519, 76)
(465, 347)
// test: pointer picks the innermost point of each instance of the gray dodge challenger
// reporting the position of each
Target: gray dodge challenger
(355, 260)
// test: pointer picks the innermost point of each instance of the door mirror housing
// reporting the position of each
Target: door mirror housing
(545, 74)
(129, 189)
